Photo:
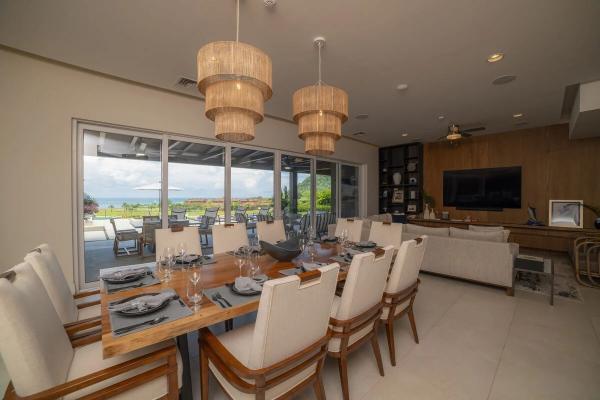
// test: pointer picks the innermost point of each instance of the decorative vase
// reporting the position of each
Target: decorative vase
(426, 214)
(397, 177)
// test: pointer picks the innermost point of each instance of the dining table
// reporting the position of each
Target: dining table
(221, 271)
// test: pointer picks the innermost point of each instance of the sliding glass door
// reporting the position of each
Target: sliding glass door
(130, 183)
(121, 185)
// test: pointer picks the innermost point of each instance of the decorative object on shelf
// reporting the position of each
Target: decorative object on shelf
(398, 196)
(235, 79)
(411, 208)
(397, 177)
(320, 110)
(533, 217)
(412, 180)
(568, 213)
(426, 212)
(412, 194)
(411, 166)
(445, 215)
(384, 194)
(432, 214)
(596, 211)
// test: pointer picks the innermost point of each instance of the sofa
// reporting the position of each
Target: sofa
(481, 256)
(366, 226)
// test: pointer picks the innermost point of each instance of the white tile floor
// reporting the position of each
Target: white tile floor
(478, 343)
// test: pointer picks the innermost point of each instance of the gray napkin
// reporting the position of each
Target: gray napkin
(122, 275)
(307, 266)
(243, 284)
(143, 302)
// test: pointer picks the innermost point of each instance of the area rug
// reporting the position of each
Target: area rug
(565, 285)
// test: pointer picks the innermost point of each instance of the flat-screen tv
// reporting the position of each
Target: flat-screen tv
(483, 189)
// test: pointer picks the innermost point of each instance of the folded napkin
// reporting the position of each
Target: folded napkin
(144, 302)
(329, 239)
(307, 266)
(244, 284)
(122, 275)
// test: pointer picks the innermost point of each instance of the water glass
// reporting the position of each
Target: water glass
(194, 288)
(181, 252)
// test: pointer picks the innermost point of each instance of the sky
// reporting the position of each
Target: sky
(113, 177)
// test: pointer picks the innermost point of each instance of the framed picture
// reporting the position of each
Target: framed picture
(398, 196)
(412, 208)
(568, 213)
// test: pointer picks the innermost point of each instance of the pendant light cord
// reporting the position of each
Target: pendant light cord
(319, 45)
(237, 23)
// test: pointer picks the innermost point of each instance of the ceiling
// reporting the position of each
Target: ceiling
(439, 48)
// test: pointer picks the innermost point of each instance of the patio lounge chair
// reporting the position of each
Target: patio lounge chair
(125, 232)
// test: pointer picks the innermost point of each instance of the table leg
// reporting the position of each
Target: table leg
(186, 389)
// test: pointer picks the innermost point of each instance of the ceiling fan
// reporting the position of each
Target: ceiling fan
(455, 133)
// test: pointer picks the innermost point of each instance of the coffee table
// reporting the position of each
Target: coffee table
(544, 267)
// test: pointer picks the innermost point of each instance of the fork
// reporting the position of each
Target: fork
(218, 300)
(223, 299)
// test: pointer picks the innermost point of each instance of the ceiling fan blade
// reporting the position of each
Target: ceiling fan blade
(465, 134)
(442, 138)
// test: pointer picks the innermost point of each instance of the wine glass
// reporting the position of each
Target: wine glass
(181, 251)
(163, 269)
(239, 261)
(312, 251)
(194, 291)
(169, 256)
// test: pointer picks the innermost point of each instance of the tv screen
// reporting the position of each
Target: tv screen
(483, 189)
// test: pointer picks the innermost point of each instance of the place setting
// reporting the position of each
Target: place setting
(145, 310)
(117, 279)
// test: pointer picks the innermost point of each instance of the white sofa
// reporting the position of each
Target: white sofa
(484, 257)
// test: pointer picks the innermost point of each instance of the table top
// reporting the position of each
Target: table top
(548, 266)
(213, 275)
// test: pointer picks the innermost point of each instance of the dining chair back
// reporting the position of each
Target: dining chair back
(168, 238)
(386, 233)
(289, 309)
(270, 231)
(401, 289)
(352, 226)
(35, 348)
(178, 213)
(229, 237)
(46, 265)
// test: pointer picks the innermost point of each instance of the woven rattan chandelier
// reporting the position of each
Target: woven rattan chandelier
(235, 79)
(320, 110)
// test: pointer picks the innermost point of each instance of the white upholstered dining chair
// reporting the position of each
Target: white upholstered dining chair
(356, 313)
(401, 289)
(284, 351)
(45, 361)
(352, 226)
(270, 231)
(171, 237)
(229, 237)
(68, 306)
(386, 233)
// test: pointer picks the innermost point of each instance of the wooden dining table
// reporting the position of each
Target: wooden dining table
(223, 271)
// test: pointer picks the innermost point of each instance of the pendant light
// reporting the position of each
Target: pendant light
(320, 110)
(235, 79)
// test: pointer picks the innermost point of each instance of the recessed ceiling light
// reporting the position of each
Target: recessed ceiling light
(517, 115)
(402, 86)
(362, 116)
(441, 117)
(504, 79)
(492, 58)
(404, 134)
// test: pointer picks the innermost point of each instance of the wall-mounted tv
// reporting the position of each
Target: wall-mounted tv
(483, 189)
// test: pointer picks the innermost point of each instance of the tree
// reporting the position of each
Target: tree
(90, 205)
(285, 198)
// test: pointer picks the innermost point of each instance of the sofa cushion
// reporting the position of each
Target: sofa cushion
(493, 236)
(426, 230)
(482, 228)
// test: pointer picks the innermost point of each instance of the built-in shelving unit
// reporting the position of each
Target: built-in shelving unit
(401, 180)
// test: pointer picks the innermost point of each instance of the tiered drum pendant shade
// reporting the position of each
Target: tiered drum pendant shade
(320, 110)
(236, 80)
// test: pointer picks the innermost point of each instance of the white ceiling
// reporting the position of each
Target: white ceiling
(437, 47)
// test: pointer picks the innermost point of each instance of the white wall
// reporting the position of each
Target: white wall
(39, 100)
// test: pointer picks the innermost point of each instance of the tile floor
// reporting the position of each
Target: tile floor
(477, 343)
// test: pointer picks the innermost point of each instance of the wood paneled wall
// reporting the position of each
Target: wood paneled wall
(553, 167)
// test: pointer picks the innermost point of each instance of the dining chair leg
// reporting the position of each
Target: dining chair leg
(203, 374)
(173, 385)
(377, 351)
(413, 325)
(318, 387)
(389, 330)
(343, 367)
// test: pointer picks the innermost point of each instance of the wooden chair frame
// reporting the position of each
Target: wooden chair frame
(347, 328)
(582, 246)
(211, 349)
(392, 301)
(169, 368)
